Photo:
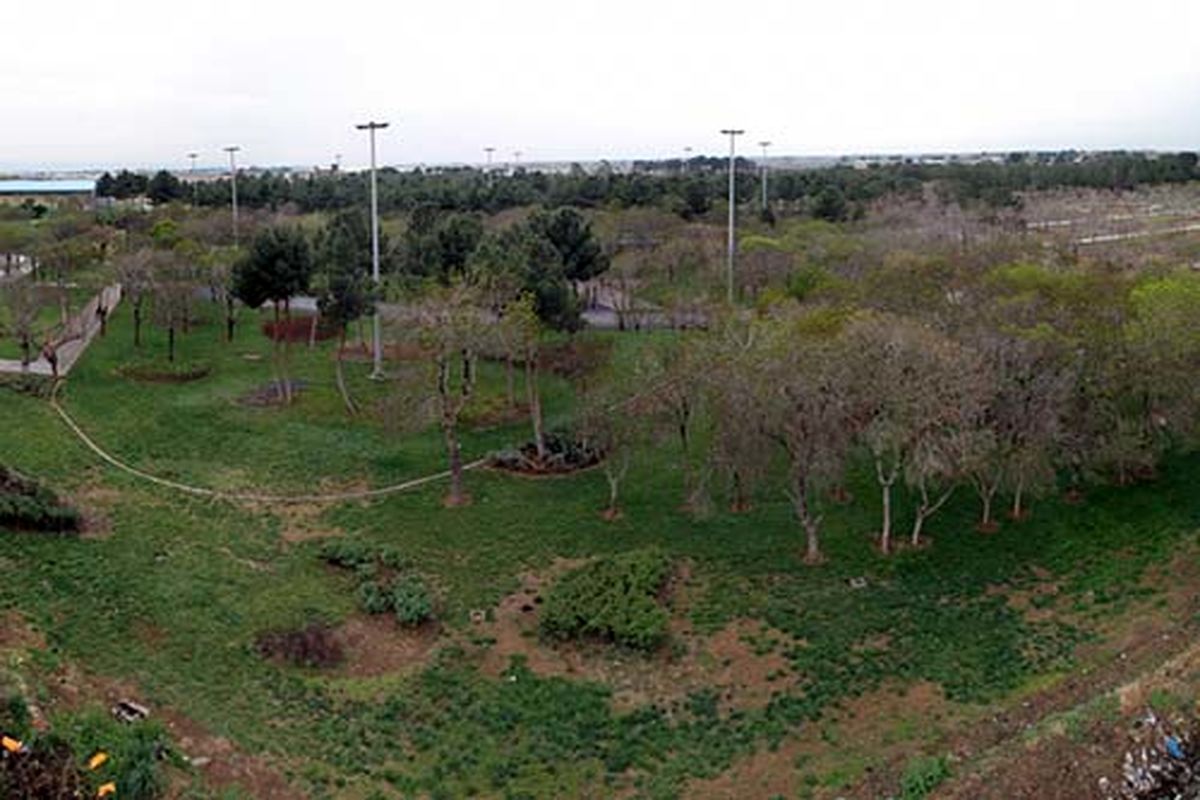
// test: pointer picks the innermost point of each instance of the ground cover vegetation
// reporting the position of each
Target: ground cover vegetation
(931, 450)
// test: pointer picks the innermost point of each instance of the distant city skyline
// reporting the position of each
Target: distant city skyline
(143, 84)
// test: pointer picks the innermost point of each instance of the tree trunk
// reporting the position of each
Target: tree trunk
(456, 496)
(535, 403)
(682, 419)
(885, 534)
(985, 487)
(340, 375)
(287, 352)
(312, 332)
(803, 513)
(885, 484)
(614, 486)
(1018, 510)
(171, 343)
(812, 544)
(137, 322)
(279, 391)
(739, 503)
(230, 318)
(927, 509)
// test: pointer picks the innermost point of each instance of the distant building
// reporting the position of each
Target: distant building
(48, 192)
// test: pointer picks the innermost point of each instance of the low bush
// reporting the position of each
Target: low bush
(617, 599)
(137, 753)
(922, 776)
(351, 554)
(314, 645)
(411, 601)
(374, 598)
(50, 766)
(386, 583)
(27, 505)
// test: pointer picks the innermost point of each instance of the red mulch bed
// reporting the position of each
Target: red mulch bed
(296, 329)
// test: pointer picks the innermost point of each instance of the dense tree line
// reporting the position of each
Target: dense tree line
(689, 188)
(1019, 381)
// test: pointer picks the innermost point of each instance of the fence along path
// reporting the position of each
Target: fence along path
(80, 330)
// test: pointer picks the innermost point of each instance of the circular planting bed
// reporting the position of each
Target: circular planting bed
(563, 455)
(165, 371)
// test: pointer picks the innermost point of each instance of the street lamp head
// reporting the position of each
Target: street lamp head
(369, 126)
(732, 131)
(764, 144)
(232, 148)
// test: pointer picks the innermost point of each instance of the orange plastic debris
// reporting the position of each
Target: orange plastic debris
(106, 790)
(97, 761)
(11, 745)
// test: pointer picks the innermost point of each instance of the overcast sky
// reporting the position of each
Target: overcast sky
(143, 82)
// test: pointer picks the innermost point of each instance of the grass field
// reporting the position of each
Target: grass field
(170, 597)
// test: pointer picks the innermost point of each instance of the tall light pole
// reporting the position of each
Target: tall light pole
(687, 156)
(192, 176)
(489, 151)
(732, 133)
(232, 150)
(764, 146)
(516, 160)
(377, 372)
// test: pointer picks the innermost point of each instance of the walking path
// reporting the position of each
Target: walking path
(81, 330)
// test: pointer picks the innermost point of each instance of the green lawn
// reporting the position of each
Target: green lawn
(185, 567)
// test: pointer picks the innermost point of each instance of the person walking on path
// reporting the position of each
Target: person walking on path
(50, 353)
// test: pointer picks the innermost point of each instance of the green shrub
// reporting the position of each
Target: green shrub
(136, 752)
(373, 598)
(28, 505)
(411, 600)
(383, 582)
(922, 776)
(614, 598)
(362, 556)
(347, 553)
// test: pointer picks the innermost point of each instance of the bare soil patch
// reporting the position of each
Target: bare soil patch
(766, 773)
(16, 633)
(222, 764)
(376, 645)
(1151, 646)
(727, 662)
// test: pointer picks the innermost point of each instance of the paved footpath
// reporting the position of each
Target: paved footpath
(81, 330)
